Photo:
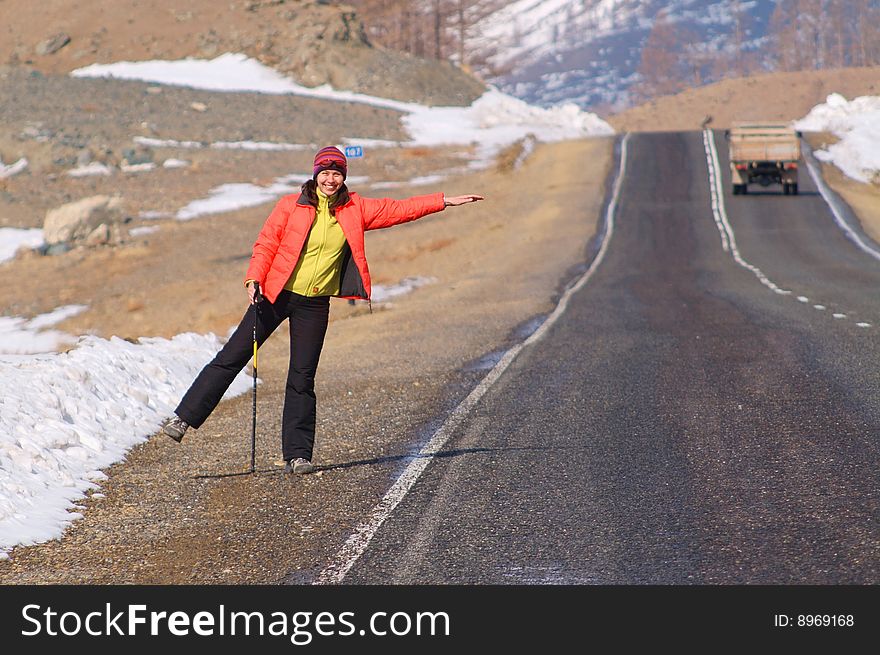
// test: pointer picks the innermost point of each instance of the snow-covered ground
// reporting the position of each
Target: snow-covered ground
(857, 124)
(13, 238)
(493, 121)
(65, 416)
(12, 169)
(19, 336)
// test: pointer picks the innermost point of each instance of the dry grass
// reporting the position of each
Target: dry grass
(863, 198)
(418, 249)
(774, 96)
(508, 157)
(417, 153)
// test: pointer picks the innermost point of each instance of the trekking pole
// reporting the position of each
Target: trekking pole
(258, 297)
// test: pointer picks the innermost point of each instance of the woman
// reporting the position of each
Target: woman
(310, 248)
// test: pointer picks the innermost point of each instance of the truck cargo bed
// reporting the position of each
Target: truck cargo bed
(763, 153)
(764, 143)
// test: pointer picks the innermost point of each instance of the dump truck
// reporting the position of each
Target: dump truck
(765, 154)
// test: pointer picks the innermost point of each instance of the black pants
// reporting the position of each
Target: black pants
(308, 325)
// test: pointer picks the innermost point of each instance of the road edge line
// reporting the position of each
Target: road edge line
(832, 201)
(719, 212)
(357, 543)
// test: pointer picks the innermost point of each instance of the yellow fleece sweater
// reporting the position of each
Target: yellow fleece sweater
(317, 273)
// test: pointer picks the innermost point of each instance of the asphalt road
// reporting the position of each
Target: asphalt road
(697, 415)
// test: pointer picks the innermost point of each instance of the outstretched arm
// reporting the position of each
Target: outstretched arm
(455, 201)
(385, 212)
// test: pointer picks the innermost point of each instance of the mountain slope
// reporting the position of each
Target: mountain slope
(313, 42)
(588, 51)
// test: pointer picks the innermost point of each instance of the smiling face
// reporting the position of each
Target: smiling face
(329, 181)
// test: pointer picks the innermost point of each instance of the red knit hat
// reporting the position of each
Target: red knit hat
(330, 157)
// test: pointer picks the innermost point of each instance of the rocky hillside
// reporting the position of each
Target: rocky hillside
(61, 124)
(312, 42)
(57, 122)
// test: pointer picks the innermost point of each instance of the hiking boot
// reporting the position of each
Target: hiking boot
(300, 466)
(175, 427)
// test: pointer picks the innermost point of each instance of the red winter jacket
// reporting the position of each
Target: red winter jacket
(280, 242)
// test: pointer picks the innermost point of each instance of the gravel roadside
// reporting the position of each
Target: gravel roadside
(184, 514)
(54, 120)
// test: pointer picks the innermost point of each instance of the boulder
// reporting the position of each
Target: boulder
(52, 45)
(99, 236)
(76, 221)
(137, 155)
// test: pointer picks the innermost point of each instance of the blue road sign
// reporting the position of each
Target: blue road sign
(353, 152)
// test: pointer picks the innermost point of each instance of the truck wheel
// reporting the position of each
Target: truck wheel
(744, 189)
(786, 188)
(736, 189)
(794, 189)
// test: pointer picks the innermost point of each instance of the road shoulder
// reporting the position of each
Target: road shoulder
(181, 514)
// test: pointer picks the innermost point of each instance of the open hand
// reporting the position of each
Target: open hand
(455, 201)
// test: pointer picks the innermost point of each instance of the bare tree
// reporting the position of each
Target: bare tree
(858, 41)
(837, 38)
(660, 66)
(740, 62)
(438, 28)
(784, 31)
(867, 33)
(462, 31)
(815, 34)
(811, 22)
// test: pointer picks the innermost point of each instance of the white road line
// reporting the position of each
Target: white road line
(357, 543)
(728, 240)
(717, 193)
(833, 204)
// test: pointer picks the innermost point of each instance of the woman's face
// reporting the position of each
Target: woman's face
(329, 181)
